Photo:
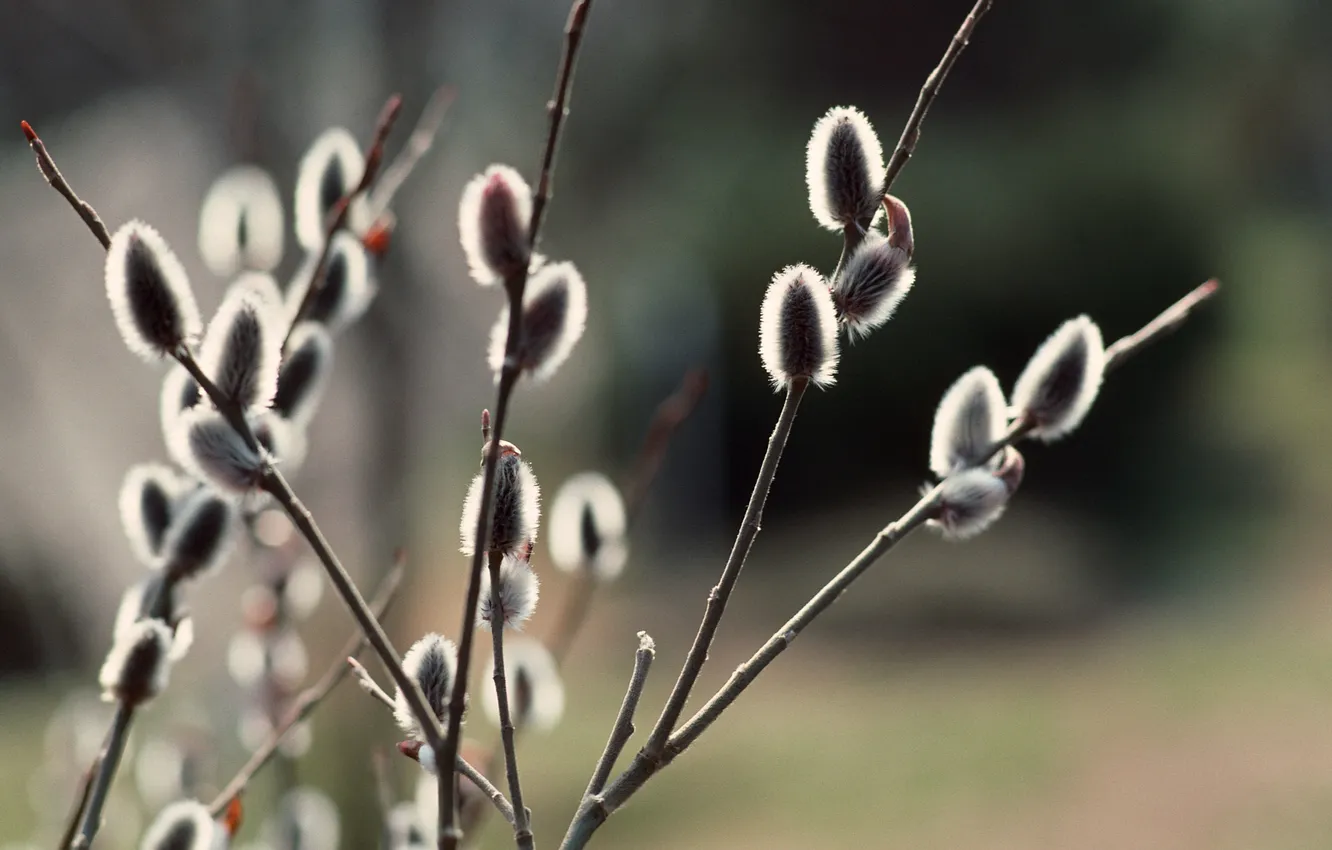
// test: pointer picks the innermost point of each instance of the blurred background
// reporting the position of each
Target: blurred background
(1138, 655)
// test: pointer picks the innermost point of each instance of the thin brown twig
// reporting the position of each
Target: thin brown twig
(337, 217)
(721, 593)
(522, 824)
(623, 729)
(449, 833)
(80, 802)
(906, 145)
(669, 416)
(47, 166)
(309, 699)
(417, 146)
(273, 482)
(596, 809)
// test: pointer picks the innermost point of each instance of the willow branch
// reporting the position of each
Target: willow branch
(721, 593)
(417, 146)
(108, 762)
(596, 810)
(309, 699)
(449, 833)
(338, 215)
(47, 166)
(623, 729)
(272, 482)
(906, 145)
(522, 825)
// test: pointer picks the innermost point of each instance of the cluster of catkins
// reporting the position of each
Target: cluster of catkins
(588, 524)
(802, 314)
(268, 353)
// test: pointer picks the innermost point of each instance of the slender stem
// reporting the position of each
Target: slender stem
(80, 803)
(522, 826)
(623, 729)
(577, 603)
(309, 699)
(272, 481)
(369, 685)
(595, 810)
(47, 166)
(337, 220)
(417, 146)
(487, 787)
(109, 760)
(669, 416)
(558, 108)
(274, 484)
(906, 145)
(721, 593)
(449, 834)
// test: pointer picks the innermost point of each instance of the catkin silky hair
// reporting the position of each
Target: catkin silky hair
(1056, 389)
(150, 294)
(798, 328)
(493, 218)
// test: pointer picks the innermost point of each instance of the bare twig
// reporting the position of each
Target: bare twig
(337, 219)
(522, 825)
(107, 764)
(57, 180)
(368, 683)
(721, 593)
(275, 484)
(596, 810)
(906, 145)
(417, 146)
(449, 833)
(623, 729)
(309, 699)
(670, 415)
(487, 787)
(80, 803)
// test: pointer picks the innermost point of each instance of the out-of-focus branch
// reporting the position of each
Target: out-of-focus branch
(309, 699)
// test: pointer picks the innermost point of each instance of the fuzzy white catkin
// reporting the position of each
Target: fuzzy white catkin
(876, 278)
(241, 222)
(138, 665)
(218, 454)
(146, 502)
(493, 218)
(184, 825)
(242, 348)
(517, 514)
(304, 373)
(536, 692)
(201, 535)
(330, 169)
(588, 525)
(971, 417)
(150, 294)
(519, 590)
(431, 662)
(346, 289)
(844, 169)
(798, 328)
(554, 316)
(971, 502)
(1060, 382)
